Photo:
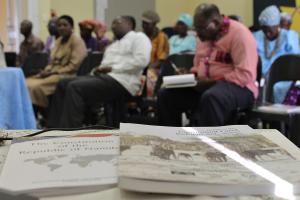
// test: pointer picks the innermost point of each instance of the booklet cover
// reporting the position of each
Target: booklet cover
(50, 166)
(217, 161)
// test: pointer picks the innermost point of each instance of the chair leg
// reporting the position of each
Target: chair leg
(294, 130)
(115, 113)
(283, 129)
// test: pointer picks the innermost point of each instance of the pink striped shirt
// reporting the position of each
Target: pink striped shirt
(232, 58)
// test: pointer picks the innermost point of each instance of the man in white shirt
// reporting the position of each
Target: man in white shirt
(117, 77)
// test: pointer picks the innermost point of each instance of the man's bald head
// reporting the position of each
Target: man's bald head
(207, 10)
(122, 25)
(208, 21)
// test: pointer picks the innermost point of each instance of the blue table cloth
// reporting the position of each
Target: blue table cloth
(16, 110)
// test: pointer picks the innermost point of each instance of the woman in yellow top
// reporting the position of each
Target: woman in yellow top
(160, 47)
(66, 57)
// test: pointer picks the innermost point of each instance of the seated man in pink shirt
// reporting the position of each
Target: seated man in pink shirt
(225, 63)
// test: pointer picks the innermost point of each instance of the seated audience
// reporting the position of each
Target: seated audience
(182, 42)
(86, 30)
(67, 55)
(87, 27)
(30, 44)
(100, 30)
(53, 35)
(2, 57)
(225, 65)
(273, 42)
(286, 23)
(118, 77)
(160, 48)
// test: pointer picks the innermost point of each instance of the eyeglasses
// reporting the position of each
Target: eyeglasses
(200, 28)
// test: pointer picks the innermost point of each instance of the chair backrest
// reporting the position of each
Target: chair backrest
(259, 71)
(92, 60)
(182, 60)
(285, 68)
(169, 31)
(10, 58)
(96, 59)
(35, 63)
(83, 66)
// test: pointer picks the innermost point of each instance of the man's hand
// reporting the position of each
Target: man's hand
(182, 70)
(102, 70)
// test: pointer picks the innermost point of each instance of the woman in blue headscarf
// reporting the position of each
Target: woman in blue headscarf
(182, 42)
(273, 42)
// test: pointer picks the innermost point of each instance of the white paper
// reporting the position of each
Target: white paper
(61, 162)
(179, 79)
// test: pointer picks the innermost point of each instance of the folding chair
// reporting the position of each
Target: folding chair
(241, 116)
(35, 63)
(10, 58)
(169, 31)
(92, 60)
(285, 68)
(95, 59)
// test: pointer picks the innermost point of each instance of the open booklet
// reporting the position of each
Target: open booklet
(62, 165)
(217, 161)
(179, 81)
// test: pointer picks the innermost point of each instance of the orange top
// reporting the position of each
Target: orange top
(160, 47)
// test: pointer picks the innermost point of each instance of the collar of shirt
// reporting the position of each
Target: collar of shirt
(126, 36)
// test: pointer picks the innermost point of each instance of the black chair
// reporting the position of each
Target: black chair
(169, 31)
(96, 59)
(118, 111)
(285, 68)
(84, 66)
(294, 130)
(147, 108)
(241, 116)
(10, 58)
(92, 60)
(35, 63)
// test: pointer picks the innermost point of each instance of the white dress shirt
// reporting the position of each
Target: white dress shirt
(128, 57)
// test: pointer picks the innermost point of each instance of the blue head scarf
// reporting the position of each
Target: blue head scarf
(186, 19)
(270, 16)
